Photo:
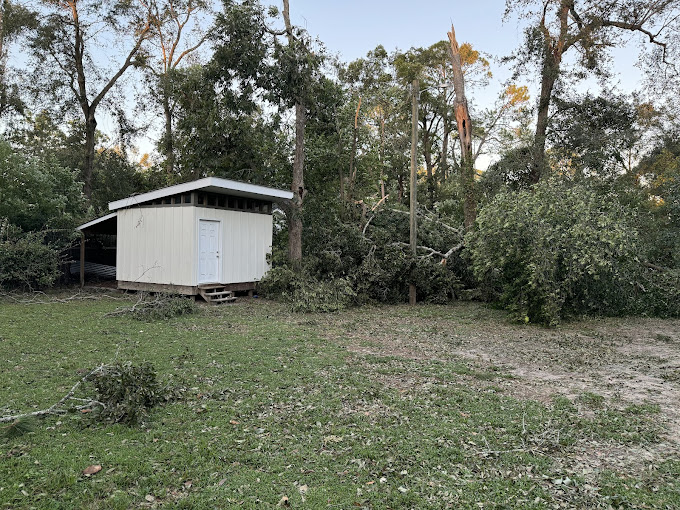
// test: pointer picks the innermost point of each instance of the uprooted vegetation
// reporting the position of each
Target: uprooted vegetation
(160, 306)
(116, 393)
(373, 407)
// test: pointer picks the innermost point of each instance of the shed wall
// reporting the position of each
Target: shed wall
(156, 245)
(246, 240)
(160, 244)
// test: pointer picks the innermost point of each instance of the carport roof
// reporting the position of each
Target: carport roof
(104, 225)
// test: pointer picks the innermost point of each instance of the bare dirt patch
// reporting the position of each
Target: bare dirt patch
(625, 362)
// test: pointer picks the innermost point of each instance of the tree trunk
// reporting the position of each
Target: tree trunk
(168, 141)
(443, 161)
(553, 49)
(352, 156)
(88, 161)
(298, 189)
(427, 153)
(415, 91)
(549, 75)
(400, 188)
(382, 158)
(341, 176)
(464, 134)
(297, 185)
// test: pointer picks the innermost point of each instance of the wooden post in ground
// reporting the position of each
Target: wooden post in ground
(82, 259)
(415, 86)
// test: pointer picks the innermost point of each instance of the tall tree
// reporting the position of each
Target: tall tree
(15, 21)
(292, 83)
(298, 182)
(176, 36)
(587, 28)
(72, 41)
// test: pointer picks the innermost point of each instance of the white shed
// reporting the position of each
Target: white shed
(207, 237)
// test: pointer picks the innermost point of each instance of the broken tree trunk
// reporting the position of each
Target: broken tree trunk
(464, 133)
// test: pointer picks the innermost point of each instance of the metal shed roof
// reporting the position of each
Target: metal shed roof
(212, 184)
(99, 224)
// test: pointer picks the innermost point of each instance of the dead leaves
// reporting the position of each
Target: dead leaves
(92, 470)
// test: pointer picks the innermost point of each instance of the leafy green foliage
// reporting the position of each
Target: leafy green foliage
(160, 307)
(341, 260)
(114, 177)
(307, 294)
(19, 427)
(37, 193)
(660, 169)
(658, 293)
(555, 250)
(26, 260)
(599, 145)
(127, 392)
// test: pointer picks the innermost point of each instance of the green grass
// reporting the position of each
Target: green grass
(274, 408)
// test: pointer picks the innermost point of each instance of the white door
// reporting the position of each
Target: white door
(208, 251)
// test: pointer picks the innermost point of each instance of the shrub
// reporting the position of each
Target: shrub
(436, 283)
(658, 293)
(555, 250)
(322, 296)
(26, 262)
(37, 192)
(306, 293)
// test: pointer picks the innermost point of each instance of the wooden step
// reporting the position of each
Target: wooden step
(228, 299)
(219, 293)
(215, 293)
(210, 286)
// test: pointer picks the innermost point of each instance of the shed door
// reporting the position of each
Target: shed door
(208, 251)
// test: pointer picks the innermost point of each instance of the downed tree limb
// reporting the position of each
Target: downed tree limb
(382, 201)
(431, 252)
(57, 408)
(432, 218)
(655, 267)
(141, 303)
(36, 300)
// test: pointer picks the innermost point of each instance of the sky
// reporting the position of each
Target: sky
(351, 28)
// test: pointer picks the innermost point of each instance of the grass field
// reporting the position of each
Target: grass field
(385, 407)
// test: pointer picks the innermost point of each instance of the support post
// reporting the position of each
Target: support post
(82, 259)
(415, 91)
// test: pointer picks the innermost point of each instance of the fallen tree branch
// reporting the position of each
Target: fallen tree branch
(655, 267)
(382, 201)
(57, 408)
(431, 252)
(432, 218)
(79, 296)
(141, 303)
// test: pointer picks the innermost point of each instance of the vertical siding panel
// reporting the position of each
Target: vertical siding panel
(173, 253)
(248, 254)
(227, 247)
(187, 242)
(233, 240)
(167, 237)
(256, 246)
(238, 246)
